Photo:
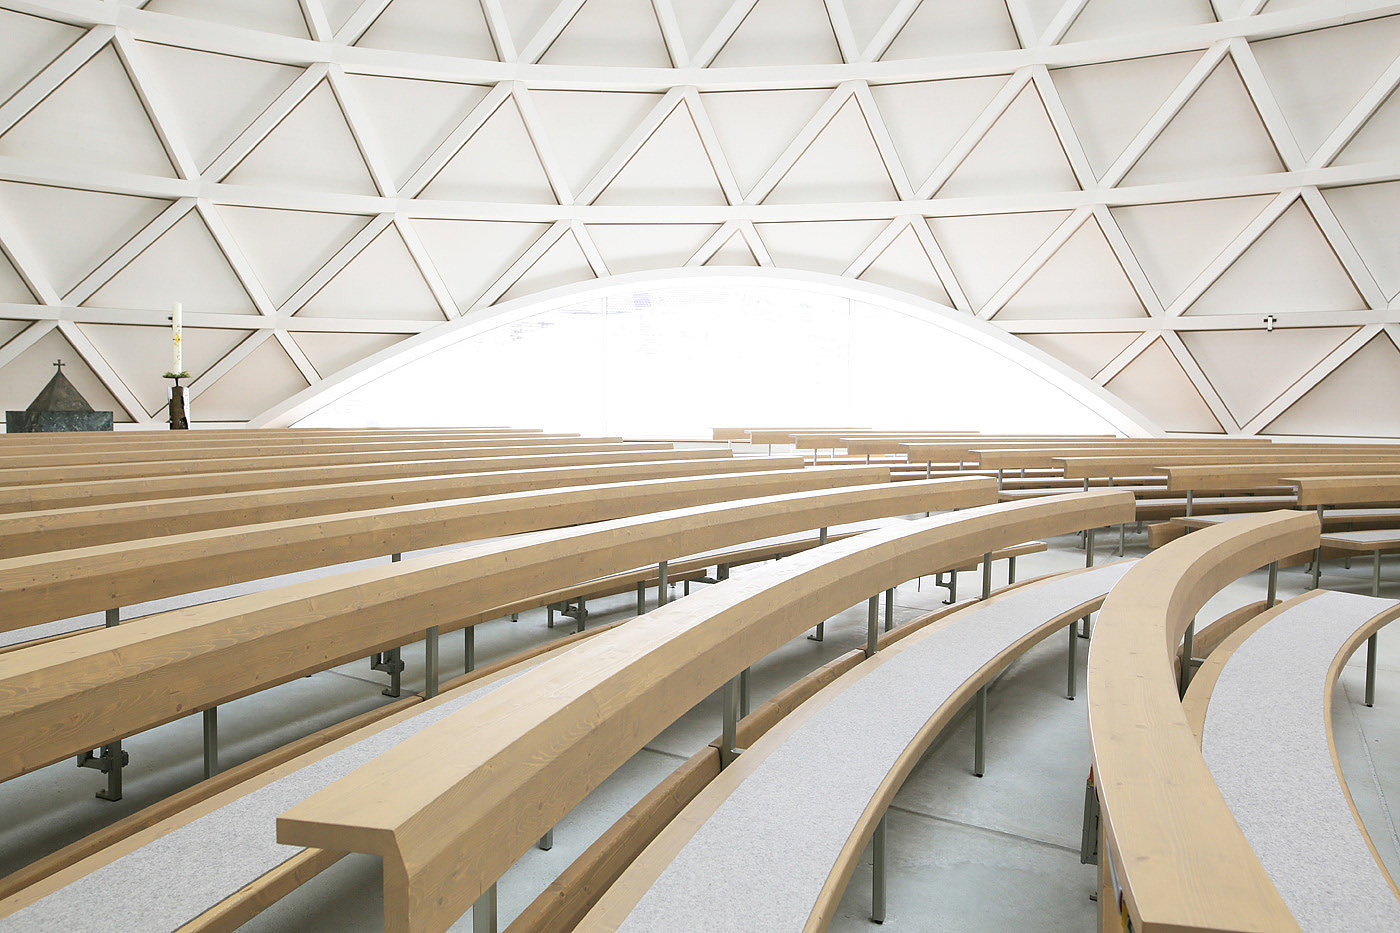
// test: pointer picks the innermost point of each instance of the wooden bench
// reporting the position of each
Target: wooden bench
(62, 697)
(1173, 852)
(749, 843)
(546, 739)
(84, 526)
(1262, 705)
(68, 495)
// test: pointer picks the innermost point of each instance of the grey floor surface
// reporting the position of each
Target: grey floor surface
(995, 853)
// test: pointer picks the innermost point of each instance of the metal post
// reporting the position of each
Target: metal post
(391, 663)
(819, 633)
(469, 646)
(114, 616)
(1273, 585)
(1089, 547)
(1371, 670)
(889, 609)
(1190, 501)
(430, 663)
(660, 584)
(872, 627)
(641, 597)
(1073, 660)
(722, 572)
(1122, 537)
(1086, 627)
(987, 575)
(549, 610)
(581, 616)
(395, 558)
(1011, 570)
(1317, 555)
(547, 840)
(744, 693)
(999, 479)
(211, 742)
(979, 745)
(729, 730)
(877, 872)
(1187, 648)
(484, 912)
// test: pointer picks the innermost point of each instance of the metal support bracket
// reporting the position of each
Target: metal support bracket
(484, 918)
(878, 871)
(979, 744)
(110, 760)
(211, 742)
(390, 662)
(431, 670)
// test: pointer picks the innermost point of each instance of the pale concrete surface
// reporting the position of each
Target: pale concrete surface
(995, 853)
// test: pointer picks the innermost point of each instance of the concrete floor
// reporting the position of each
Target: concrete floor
(995, 853)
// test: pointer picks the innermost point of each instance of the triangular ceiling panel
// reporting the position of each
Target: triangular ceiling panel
(435, 27)
(922, 143)
(1155, 384)
(68, 232)
(1087, 353)
(1318, 76)
(1081, 279)
(587, 127)
(611, 32)
(1038, 14)
(564, 263)
(954, 28)
(141, 355)
(471, 255)
(754, 127)
(819, 246)
(498, 163)
(1174, 242)
(734, 252)
(184, 264)
(1251, 368)
(332, 352)
(381, 282)
(280, 16)
(1109, 103)
(1356, 399)
(782, 32)
(210, 99)
(312, 149)
(1367, 214)
(841, 164)
(636, 247)
(259, 381)
(697, 20)
(1020, 153)
(23, 377)
(525, 17)
(338, 12)
(1291, 267)
(27, 45)
(410, 119)
(866, 18)
(1217, 133)
(905, 265)
(1101, 18)
(94, 120)
(984, 250)
(671, 167)
(12, 287)
(286, 248)
(1379, 137)
(9, 330)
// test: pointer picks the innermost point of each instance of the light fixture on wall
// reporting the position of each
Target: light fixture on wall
(1269, 322)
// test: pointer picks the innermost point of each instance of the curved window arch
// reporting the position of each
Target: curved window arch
(677, 353)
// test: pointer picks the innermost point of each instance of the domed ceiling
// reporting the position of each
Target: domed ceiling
(1141, 188)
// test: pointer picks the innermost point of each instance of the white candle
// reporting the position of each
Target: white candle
(178, 366)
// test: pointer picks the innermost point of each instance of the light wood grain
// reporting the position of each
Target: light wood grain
(1366, 489)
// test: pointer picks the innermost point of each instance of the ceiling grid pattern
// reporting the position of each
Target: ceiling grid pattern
(1131, 187)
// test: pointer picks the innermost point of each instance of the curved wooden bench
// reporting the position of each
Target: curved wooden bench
(98, 492)
(509, 767)
(39, 588)
(1179, 860)
(750, 844)
(1263, 706)
(84, 526)
(62, 697)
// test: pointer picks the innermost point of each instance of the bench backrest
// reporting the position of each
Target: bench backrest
(1225, 476)
(1362, 489)
(943, 452)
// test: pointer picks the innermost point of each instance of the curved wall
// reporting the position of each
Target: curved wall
(1131, 186)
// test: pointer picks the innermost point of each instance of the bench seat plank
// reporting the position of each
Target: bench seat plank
(1267, 742)
(755, 854)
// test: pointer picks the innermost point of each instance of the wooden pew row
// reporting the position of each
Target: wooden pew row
(78, 440)
(40, 588)
(99, 492)
(60, 698)
(1262, 708)
(1177, 856)
(1104, 462)
(857, 444)
(885, 713)
(59, 529)
(18, 476)
(546, 739)
(254, 448)
(742, 434)
(963, 450)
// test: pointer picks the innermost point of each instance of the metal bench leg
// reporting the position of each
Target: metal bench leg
(872, 626)
(469, 644)
(1011, 570)
(660, 584)
(729, 730)
(110, 760)
(1086, 627)
(113, 617)
(391, 663)
(1371, 670)
(581, 619)
(430, 663)
(979, 744)
(1273, 585)
(547, 841)
(744, 693)
(1073, 659)
(211, 742)
(484, 912)
(1187, 648)
(818, 633)
(1122, 537)
(986, 575)
(641, 597)
(1089, 547)
(549, 610)
(889, 609)
(952, 588)
(877, 872)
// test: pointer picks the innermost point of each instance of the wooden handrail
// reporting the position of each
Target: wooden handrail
(490, 779)
(1180, 859)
